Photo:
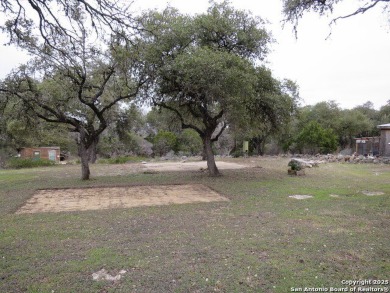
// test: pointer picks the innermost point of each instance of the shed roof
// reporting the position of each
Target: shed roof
(384, 126)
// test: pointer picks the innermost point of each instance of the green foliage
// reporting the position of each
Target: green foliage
(204, 67)
(237, 153)
(129, 120)
(114, 146)
(190, 142)
(352, 123)
(164, 142)
(234, 31)
(327, 114)
(384, 113)
(20, 128)
(345, 124)
(82, 91)
(373, 117)
(269, 111)
(315, 138)
(162, 119)
(294, 165)
(18, 163)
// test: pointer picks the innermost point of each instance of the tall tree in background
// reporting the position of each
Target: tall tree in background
(278, 100)
(352, 123)
(384, 113)
(368, 110)
(326, 114)
(314, 138)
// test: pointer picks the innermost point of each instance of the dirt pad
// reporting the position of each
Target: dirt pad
(301, 196)
(188, 166)
(372, 193)
(59, 200)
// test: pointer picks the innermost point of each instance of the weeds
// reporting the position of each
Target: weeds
(19, 163)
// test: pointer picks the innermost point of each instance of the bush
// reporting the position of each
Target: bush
(237, 153)
(18, 163)
(294, 165)
(316, 139)
(190, 142)
(165, 142)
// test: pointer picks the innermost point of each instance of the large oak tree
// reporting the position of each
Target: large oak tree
(205, 69)
(77, 82)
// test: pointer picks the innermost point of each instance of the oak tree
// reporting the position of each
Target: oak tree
(78, 83)
(204, 68)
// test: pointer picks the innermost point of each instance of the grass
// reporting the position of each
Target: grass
(261, 241)
(19, 163)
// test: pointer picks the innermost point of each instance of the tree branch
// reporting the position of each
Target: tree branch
(183, 125)
(219, 133)
(360, 10)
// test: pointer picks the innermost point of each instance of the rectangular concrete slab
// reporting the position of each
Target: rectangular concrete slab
(81, 199)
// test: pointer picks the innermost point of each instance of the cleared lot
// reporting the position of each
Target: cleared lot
(261, 240)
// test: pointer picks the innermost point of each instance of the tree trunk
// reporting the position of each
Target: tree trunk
(204, 152)
(262, 148)
(93, 151)
(207, 144)
(259, 145)
(85, 154)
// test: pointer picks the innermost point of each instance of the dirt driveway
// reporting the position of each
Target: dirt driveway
(187, 166)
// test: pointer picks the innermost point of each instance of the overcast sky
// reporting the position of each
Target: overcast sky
(351, 67)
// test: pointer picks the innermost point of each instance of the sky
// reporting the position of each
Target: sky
(351, 67)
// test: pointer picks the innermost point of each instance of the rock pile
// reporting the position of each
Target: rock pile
(354, 159)
(297, 166)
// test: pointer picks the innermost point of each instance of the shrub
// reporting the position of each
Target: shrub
(294, 165)
(165, 142)
(315, 138)
(237, 153)
(18, 163)
(190, 142)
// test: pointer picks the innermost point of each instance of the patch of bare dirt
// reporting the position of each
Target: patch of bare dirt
(301, 196)
(58, 200)
(372, 193)
(155, 167)
(187, 166)
(104, 275)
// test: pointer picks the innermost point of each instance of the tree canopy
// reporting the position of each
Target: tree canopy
(204, 69)
(78, 83)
